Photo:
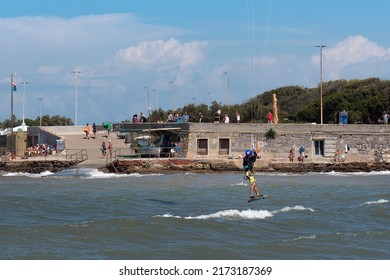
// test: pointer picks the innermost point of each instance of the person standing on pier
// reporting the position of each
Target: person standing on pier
(94, 130)
(110, 147)
(103, 148)
(87, 131)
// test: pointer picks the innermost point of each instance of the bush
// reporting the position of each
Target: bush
(270, 134)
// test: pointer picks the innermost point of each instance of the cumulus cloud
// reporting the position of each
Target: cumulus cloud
(163, 55)
(44, 51)
(354, 50)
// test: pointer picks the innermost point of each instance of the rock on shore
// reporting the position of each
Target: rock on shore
(329, 167)
(200, 166)
(170, 166)
(35, 166)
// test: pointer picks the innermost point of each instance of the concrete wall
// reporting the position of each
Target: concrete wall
(366, 142)
(39, 135)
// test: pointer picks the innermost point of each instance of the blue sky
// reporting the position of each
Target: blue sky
(123, 46)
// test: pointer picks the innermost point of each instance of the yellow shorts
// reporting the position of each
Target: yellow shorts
(252, 180)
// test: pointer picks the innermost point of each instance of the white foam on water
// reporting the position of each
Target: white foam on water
(313, 236)
(96, 174)
(25, 174)
(239, 214)
(235, 214)
(245, 214)
(380, 201)
(87, 173)
(168, 216)
(295, 208)
(239, 184)
(371, 173)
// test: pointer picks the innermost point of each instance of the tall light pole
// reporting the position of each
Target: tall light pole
(13, 88)
(76, 73)
(147, 90)
(150, 139)
(155, 90)
(24, 96)
(228, 90)
(40, 111)
(173, 95)
(321, 107)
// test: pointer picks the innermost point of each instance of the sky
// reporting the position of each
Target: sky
(173, 52)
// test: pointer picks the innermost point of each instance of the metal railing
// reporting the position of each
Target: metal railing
(120, 154)
(79, 156)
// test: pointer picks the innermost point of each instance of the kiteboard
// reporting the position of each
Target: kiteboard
(258, 197)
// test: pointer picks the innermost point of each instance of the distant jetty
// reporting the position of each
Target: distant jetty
(177, 165)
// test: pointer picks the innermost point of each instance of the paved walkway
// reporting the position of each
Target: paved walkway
(75, 139)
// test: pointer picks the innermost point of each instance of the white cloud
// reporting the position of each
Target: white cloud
(44, 50)
(161, 55)
(353, 51)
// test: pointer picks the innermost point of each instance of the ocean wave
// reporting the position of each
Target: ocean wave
(347, 174)
(92, 173)
(235, 214)
(25, 174)
(96, 174)
(295, 208)
(313, 236)
(380, 201)
(84, 173)
(168, 216)
(245, 214)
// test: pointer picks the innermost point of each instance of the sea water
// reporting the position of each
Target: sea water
(85, 214)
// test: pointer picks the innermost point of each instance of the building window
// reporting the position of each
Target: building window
(202, 145)
(224, 146)
(319, 148)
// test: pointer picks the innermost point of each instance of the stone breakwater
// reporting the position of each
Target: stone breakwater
(147, 166)
(220, 166)
(170, 166)
(35, 166)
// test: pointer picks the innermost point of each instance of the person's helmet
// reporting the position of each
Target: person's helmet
(248, 152)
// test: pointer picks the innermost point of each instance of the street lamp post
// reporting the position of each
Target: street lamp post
(228, 90)
(76, 73)
(155, 90)
(173, 95)
(12, 111)
(40, 111)
(24, 96)
(321, 107)
(147, 89)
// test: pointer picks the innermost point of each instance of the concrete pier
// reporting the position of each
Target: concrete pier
(219, 147)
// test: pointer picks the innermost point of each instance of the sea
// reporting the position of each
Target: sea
(84, 214)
